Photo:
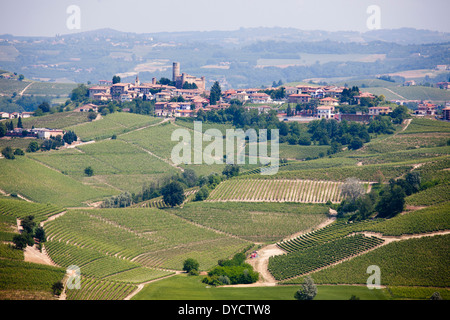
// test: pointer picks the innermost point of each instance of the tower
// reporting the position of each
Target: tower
(176, 71)
(137, 82)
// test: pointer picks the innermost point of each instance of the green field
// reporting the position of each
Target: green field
(182, 287)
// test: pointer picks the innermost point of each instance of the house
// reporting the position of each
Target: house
(409, 83)
(104, 82)
(163, 96)
(26, 114)
(44, 133)
(126, 97)
(4, 115)
(375, 111)
(299, 98)
(86, 108)
(102, 96)
(318, 93)
(325, 112)
(98, 89)
(426, 109)
(261, 109)
(185, 113)
(291, 90)
(119, 88)
(259, 97)
(329, 101)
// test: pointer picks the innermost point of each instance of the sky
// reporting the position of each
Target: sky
(50, 17)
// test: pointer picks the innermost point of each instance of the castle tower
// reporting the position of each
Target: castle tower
(176, 71)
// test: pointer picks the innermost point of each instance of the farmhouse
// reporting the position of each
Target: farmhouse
(86, 108)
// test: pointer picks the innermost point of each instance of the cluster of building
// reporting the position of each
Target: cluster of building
(106, 90)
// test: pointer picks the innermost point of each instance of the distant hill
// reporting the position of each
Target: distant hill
(253, 56)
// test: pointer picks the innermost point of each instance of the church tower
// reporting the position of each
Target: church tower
(137, 82)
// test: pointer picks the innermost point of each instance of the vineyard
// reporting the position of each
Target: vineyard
(21, 209)
(304, 261)
(322, 236)
(414, 262)
(303, 191)
(138, 234)
(255, 221)
(94, 289)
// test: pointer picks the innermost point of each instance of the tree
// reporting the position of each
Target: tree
(92, 116)
(89, 171)
(355, 144)
(352, 189)
(57, 288)
(308, 290)
(392, 202)
(40, 234)
(19, 123)
(19, 152)
(231, 170)
(399, 114)
(33, 146)
(215, 94)
(44, 107)
(20, 241)
(8, 153)
(28, 224)
(173, 194)
(190, 264)
(80, 93)
(115, 79)
(70, 137)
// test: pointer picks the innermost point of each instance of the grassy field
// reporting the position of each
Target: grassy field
(182, 287)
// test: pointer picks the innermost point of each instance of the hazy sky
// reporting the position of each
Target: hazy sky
(47, 18)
